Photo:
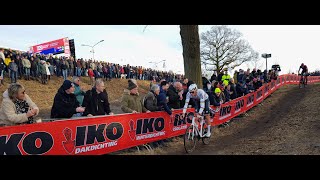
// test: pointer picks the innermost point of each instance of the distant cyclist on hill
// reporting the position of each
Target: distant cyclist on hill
(304, 71)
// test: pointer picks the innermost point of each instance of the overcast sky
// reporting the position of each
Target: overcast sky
(123, 44)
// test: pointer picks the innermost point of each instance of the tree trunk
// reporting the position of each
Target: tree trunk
(191, 53)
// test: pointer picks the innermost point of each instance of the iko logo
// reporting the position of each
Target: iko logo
(250, 100)
(87, 137)
(239, 105)
(146, 128)
(179, 123)
(35, 143)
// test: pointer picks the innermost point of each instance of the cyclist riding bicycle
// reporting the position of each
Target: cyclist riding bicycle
(304, 71)
(201, 104)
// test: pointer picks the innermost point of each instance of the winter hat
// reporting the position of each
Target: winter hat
(131, 85)
(226, 83)
(217, 90)
(67, 84)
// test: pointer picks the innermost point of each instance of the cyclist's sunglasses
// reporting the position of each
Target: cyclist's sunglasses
(191, 92)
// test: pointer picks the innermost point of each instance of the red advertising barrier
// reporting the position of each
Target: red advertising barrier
(105, 134)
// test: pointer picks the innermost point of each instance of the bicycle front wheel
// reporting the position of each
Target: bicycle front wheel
(190, 139)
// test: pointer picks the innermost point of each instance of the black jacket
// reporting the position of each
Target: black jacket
(174, 98)
(64, 105)
(216, 100)
(233, 89)
(96, 104)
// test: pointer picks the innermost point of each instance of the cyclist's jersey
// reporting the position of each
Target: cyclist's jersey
(201, 96)
(304, 69)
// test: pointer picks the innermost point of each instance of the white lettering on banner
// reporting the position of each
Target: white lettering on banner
(237, 110)
(95, 147)
(179, 128)
(54, 44)
(223, 117)
(249, 104)
(259, 98)
(147, 136)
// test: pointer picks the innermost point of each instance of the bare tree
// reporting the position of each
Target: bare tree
(256, 63)
(191, 52)
(223, 47)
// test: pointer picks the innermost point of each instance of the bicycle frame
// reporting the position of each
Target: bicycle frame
(303, 79)
(195, 131)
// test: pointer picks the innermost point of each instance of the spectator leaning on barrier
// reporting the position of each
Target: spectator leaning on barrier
(78, 91)
(131, 102)
(217, 101)
(65, 104)
(150, 100)
(256, 84)
(222, 87)
(226, 90)
(17, 107)
(175, 94)
(162, 98)
(96, 101)
(233, 92)
(249, 85)
(241, 89)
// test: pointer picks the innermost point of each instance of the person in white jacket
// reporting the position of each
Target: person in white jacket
(17, 107)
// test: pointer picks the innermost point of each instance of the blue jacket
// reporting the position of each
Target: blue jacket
(162, 101)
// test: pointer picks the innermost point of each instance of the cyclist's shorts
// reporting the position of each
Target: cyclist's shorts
(206, 106)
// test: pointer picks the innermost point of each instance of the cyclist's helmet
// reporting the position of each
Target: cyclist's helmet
(302, 64)
(193, 87)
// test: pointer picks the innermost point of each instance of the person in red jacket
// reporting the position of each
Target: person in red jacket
(91, 76)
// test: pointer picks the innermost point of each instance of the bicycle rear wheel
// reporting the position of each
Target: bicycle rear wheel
(189, 139)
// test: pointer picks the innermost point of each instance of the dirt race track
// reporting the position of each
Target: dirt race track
(286, 123)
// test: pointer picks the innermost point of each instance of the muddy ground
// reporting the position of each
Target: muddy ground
(286, 123)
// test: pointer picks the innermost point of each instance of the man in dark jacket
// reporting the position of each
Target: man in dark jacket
(233, 92)
(150, 100)
(175, 93)
(241, 89)
(217, 101)
(162, 98)
(96, 101)
(65, 103)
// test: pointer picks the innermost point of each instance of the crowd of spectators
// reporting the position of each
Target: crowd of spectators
(17, 65)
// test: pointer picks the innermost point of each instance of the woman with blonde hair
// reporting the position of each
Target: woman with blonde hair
(17, 107)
